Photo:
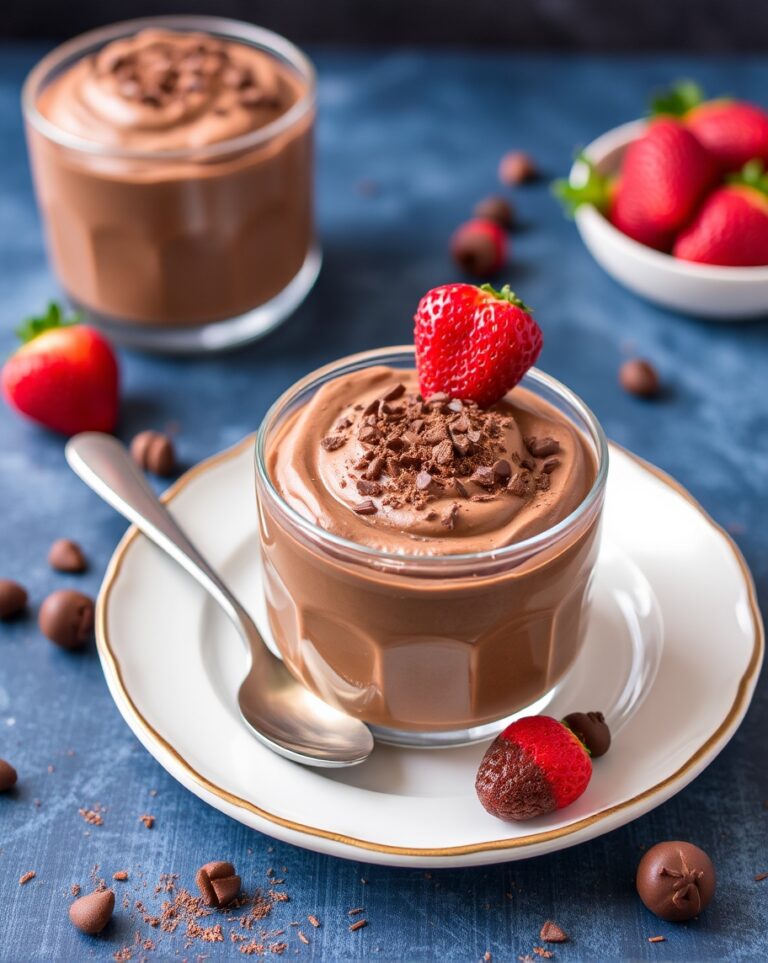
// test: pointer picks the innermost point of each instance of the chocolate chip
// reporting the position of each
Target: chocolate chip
(638, 377)
(461, 491)
(550, 465)
(411, 438)
(502, 469)
(332, 442)
(542, 447)
(474, 436)
(8, 776)
(456, 404)
(13, 598)
(518, 485)
(460, 425)
(372, 407)
(153, 452)
(366, 487)
(435, 434)
(516, 167)
(368, 435)
(483, 476)
(448, 518)
(443, 453)
(462, 444)
(365, 507)
(552, 933)
(438, 398)
(218, 883)
(410, 461)
(394, 393)
(66, 618)
(423, 481)
(395, 443)
(91, 913)
(496, 209)
(66, 556)
(374, 470)
(343, 423)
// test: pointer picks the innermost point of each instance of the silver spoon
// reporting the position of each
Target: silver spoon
(280, 711)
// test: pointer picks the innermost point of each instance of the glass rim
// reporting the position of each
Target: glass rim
(236, 30)
(494, 555)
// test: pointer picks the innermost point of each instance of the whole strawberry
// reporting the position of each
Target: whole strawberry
(473, 343)
(731, 227)
(664, 175)
(65, 375)
(732, 131)
(536, 765)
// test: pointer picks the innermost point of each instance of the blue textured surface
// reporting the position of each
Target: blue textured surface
(429, 130)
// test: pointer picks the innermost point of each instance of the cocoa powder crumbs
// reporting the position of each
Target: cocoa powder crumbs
(314, 921)
(760, 877)
(122, 954)
(544, 954)
(121, 875)
(93, 816)
(74, 889)
(23, 880)
(415, 450)
(657, 939)
(149, 821)
(358, 925)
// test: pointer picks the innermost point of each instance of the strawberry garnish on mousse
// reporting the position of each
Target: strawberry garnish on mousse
(473, 343)
(538, 764)
(734, 132)
(65, 375)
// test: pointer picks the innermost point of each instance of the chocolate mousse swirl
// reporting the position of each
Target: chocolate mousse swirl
(370, 460)
(163, 90)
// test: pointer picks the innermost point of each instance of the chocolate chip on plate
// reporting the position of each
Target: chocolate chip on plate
(218, 882)
(592, 729)
(517, 167)
(496, 209)
(8, 776)
(676, 880)
(639, 377)
(13, 598)
(91, 913)
(66, 618)
(154, 452)
(66, 556)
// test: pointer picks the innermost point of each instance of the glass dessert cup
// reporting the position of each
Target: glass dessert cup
(185, 250)
(429, 650)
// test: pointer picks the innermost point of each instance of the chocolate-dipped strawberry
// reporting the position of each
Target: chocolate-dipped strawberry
(536, 765)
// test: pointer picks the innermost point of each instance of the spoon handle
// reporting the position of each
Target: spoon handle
(105, 465)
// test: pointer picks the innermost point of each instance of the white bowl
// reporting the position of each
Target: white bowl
(702, 290)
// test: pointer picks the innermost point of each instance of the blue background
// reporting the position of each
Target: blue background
(428, 130)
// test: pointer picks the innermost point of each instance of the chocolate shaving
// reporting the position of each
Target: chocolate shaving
(368, 487)
(542, 447)
(365, 507)
(332, 442)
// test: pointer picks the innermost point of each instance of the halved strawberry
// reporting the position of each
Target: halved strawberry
(731, 227)
(732, 131)
(64, 376)
(473, 343)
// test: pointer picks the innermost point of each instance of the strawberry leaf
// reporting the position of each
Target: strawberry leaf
(678, 100)
(506, 294)
(54, 317)
(595, 190)
(752, 174)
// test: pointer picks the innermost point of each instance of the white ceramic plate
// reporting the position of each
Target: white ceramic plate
(701, 290)
(674, 646)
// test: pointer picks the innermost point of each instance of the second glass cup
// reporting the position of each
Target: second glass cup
(428, 650)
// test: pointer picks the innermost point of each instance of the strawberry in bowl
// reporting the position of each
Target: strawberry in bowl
(639, 191)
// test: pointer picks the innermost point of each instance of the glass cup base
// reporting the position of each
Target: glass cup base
(460, 737)
(217, 335)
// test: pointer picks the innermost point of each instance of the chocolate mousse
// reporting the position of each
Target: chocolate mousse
(409, 628)
(163, 203)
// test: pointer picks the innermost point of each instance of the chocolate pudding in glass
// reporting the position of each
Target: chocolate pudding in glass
(172, 160)
(427, 563)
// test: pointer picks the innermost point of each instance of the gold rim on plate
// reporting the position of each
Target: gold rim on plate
(112, 666)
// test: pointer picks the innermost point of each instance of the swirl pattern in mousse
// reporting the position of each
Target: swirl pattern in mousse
(369, 460)
(163, 90)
